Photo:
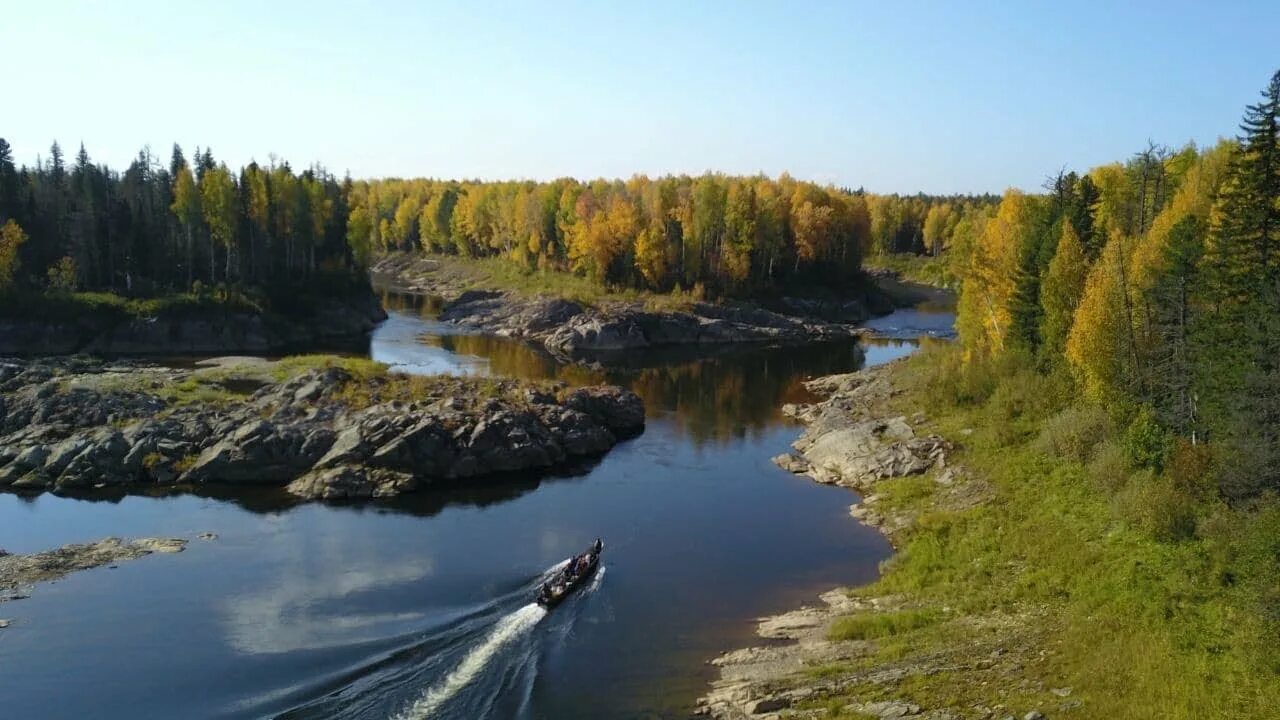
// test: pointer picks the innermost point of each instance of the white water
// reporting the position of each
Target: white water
(506, 630)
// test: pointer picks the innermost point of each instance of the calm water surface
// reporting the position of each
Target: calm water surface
(420, 607)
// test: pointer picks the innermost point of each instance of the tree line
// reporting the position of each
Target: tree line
(1155, 285)
(731, 235)
(159, 229)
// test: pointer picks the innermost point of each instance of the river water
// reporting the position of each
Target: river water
(420, 607)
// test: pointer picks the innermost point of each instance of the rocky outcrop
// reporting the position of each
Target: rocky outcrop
(325, 433)
(853, 439)
(847, 442)
(191, 332)
(569, 329)
(17, 571)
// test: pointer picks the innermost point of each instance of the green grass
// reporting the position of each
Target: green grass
(923, 269)
(869, 626)
(362, 368)
(509, 275)
(75, 306)
(1142, 622)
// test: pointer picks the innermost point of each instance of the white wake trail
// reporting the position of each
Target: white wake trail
(507, 629)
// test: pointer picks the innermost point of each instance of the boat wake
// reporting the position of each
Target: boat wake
(480, 664)
(507, 630)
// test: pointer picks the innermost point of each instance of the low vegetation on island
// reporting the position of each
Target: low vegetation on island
(321, 427)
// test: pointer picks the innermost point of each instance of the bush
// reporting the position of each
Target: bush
(1075, 432)
(1021, 400)
(1192, 469)
(1110, 466)
(1151, 503)
(941, 372)
(1147, 442)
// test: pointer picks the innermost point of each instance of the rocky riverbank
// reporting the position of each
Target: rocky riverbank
(836, 659)
(19, 572)
(191, 331)
(568, 328)
(322, 428)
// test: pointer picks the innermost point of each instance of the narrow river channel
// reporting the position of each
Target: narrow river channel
(421, 607)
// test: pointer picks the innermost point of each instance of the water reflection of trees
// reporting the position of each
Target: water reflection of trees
(713, 394)
(424, 306)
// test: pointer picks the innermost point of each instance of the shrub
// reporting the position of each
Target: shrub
(941, 372)
(1151, 503)
(1074, 432)
(1147, 442)
(1110, 466)
(1192, 469)
(64, 276)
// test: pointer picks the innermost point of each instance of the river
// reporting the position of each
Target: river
(419, 607)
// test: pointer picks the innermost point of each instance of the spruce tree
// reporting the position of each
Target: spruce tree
(1245, 281)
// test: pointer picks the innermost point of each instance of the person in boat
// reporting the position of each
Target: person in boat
(597, 546)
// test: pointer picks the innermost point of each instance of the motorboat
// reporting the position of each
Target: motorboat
(570, 577)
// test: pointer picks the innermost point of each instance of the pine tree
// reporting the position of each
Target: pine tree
(1246, 247)
(1173, 297)
(1244, 267)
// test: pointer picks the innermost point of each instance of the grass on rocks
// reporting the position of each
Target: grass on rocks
(1088, 586)
(369, 382)
(923, 269)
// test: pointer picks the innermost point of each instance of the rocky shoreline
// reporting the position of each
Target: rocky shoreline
(319, 428)
(570, 329)
(332, 322)
(19, 572)
(854, 438)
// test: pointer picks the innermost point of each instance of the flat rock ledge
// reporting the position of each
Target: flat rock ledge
(76, 425)
(19, 571)
(568, 329)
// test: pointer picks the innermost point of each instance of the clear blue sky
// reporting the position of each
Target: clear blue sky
(893, 96)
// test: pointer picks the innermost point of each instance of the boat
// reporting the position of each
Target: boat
(575, 572)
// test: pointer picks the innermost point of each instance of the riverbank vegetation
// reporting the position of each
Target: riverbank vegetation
(1116, 383)
(711, 235)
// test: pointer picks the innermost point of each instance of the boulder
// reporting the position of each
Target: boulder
(622, 411)
(349, 483)
(592, 332)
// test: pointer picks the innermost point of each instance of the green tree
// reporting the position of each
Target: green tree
(1060, 293)
(12, 238)
(186, 208)
(219, 206)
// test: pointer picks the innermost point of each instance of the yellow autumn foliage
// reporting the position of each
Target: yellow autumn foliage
(1099, 344)
(990, 274)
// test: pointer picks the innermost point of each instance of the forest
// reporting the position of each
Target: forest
(728, 235)
(264, 235)
(1152, 287)
(198, 226)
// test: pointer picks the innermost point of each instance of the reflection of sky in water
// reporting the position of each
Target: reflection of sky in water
(882, 350)
(398, 343)
(292, 604)
(308, 607)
